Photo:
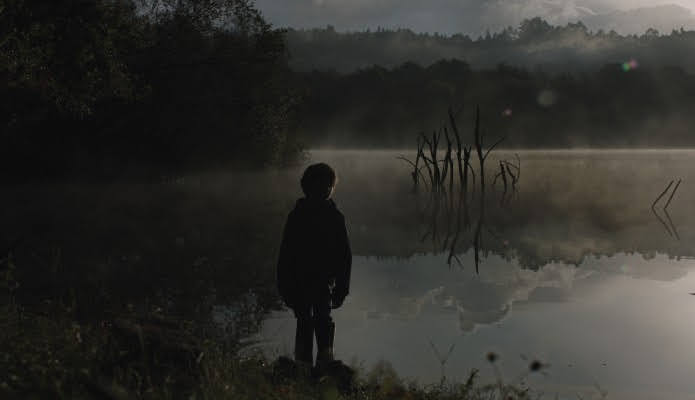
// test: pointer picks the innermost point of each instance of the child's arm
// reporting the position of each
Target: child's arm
(286, 261)
(342, 281)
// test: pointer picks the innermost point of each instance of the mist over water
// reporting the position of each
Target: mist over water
(570, 203)
(577, 271)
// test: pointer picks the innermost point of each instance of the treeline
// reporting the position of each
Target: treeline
(152, 88)
(112, 88)
(534, 42)
(620, 105)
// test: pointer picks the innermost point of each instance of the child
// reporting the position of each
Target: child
(314, 266)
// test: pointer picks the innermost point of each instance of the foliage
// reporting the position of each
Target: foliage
(139, 324)
(54, 357)
(612, 107)
(117, 87)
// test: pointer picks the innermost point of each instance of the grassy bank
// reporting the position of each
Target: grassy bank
(138, 356)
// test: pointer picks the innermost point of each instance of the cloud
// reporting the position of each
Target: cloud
(506, 12)
(435, 15)
(407, 290)
(453, 16)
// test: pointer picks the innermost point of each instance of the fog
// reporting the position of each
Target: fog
(572, 204)
(475, 17)
(576, 271)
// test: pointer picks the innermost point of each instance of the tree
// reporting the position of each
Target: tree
(534, 29)
(153, 84)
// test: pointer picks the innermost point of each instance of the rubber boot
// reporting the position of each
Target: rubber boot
(303, 345)
(324, 341)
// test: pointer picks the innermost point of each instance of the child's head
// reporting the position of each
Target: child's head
(318, 181)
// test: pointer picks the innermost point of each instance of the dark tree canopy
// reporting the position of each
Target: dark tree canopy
(116, 87)
(613, 107)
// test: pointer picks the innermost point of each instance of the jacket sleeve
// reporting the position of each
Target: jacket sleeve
(342, 282)
(286, 263)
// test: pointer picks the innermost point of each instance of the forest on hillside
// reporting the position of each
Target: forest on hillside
(534, 43)
(537, 84)
(620, 105)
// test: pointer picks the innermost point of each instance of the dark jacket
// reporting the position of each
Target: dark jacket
(315, 254)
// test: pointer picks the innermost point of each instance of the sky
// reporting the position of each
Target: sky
(470, 16)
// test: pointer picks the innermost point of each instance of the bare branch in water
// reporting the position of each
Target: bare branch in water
(416, 168)
(500, 140)
(406, 160)
(672, 194)
(662, 194)
(670, 226)
(518, 168)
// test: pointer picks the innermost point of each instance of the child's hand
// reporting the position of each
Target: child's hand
(337, 301)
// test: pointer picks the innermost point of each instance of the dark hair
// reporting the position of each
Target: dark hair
(317, 181)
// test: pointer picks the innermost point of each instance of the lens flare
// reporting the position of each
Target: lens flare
(547, 98)
(630, 65)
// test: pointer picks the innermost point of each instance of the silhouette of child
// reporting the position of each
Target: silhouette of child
(313, 270)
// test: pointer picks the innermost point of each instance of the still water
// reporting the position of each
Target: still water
(576, 270)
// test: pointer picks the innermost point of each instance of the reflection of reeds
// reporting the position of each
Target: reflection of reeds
(447, 202)
(673, 226)
(670, 226)
(509, 178)
(442, 358)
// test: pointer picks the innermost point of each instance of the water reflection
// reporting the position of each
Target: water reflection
(609, 322)
(670, 226)
(569, 205)
(574, 270)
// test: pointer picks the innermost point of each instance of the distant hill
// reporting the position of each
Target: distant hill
(662, 18)
(534, 43)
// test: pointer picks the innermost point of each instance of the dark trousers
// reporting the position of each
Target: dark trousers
(314, 319)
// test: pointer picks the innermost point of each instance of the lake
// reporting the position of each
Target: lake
(572, 267)
(575, 271)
